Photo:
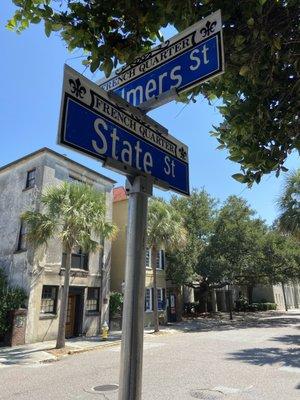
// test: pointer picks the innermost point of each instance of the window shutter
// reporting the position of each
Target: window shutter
(164, 298)
(152, 298)
(162, 255)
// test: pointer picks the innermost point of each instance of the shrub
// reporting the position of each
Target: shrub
(11, 298)
(252, 307)
(115, 303)
(265, 306)
(241, 304)
(189, 308)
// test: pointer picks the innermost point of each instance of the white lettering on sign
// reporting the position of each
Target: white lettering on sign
(127, 120)
(143, 161)
(154, 87)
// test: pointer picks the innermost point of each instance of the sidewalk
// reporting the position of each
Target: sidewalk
(36, 353)
(42, 352)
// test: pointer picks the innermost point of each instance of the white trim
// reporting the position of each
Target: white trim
(149, 266)
(148, 310)
(161, 298)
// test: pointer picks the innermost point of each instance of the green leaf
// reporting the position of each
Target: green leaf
(239, 40)
(262, 2)
(240, 178)
(244, 70)
(107, 67)
(250, 22)
(277, 43)
(48, 28)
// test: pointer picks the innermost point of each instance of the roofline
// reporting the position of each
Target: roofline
(47, 150)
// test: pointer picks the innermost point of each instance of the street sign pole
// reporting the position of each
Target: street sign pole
(138, 189)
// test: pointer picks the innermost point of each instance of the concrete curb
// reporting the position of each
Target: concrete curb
(79, 350)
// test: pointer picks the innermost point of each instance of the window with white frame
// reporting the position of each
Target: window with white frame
(92, 301)
(161, 299)
(148, 299)
(30, 179)
(148, 258)
(49, 299)
(160, 259)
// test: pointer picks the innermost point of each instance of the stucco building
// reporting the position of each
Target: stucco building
(120, 217)
(41, 272)
(285, 296)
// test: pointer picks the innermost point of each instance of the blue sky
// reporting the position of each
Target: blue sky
(31, 79)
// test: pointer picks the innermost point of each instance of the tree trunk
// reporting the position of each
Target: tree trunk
(284, 297)
(214, 304)
(61, 335)
(155, 303)
(250, 294)
(223, 300)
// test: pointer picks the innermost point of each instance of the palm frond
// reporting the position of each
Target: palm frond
(40, 227)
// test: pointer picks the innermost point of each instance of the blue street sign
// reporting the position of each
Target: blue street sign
(111, 130)
(189, 58)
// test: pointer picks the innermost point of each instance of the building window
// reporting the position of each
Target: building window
(92, 302)
(160, 259)
(148, 258)
(22, 237)
(148, 300)
(73, 179)
(79, 259)
(49, 300)
(161, 299)
(30, 181)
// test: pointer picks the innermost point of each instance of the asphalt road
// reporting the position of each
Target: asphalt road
(255, 361)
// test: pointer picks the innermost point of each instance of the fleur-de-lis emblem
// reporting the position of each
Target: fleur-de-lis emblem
(77, 88)
(208, 29)
(182, 153)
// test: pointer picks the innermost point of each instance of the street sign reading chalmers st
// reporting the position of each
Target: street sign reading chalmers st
(109, 129)
(175, 66)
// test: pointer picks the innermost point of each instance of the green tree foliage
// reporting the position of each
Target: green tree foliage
(281, 257)
(244, 251)
(198, 212)
(259, 89)
(165, 230)
(289, 205)
(74, 213)
(11, 298)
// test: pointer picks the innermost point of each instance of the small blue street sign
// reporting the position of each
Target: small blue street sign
(111, 130)
(189, 58)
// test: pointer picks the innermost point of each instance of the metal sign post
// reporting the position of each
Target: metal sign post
(106, 127)
(139, 189)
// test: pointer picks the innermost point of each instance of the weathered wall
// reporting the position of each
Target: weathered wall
(33, 270)
(120, 217)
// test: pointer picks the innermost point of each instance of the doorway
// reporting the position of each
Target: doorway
(74, 312)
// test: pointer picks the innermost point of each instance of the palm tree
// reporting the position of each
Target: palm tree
(75, 213)
(165, 230)
(289, 205)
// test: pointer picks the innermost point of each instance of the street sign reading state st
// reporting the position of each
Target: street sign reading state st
(175, 66)
(108, 128)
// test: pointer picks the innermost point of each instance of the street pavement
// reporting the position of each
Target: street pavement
(256, 359)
